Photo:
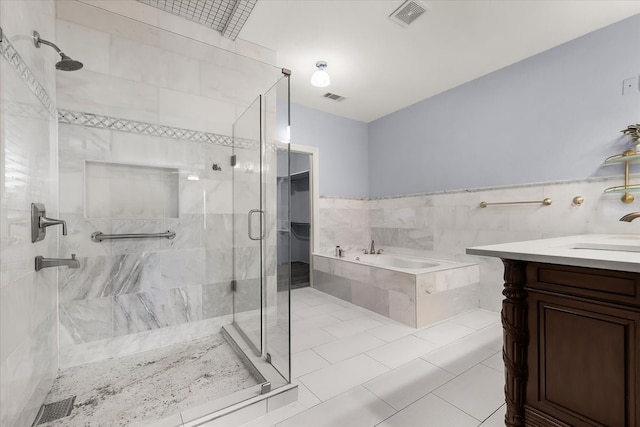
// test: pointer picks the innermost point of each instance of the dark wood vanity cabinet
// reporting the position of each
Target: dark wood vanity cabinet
(571, 346)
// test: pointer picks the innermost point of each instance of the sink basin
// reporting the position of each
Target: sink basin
(607, 247)
(626, 237)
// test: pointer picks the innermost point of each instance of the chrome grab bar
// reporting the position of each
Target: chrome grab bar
(249, 227)
(97, 236)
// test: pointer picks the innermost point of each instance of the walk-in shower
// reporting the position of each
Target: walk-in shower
(179, 310)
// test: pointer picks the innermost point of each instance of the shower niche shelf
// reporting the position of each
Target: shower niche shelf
(629, 156)
(130, 191)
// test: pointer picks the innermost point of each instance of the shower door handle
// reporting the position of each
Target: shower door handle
(250, 228)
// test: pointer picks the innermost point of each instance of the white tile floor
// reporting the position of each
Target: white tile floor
(354, 367)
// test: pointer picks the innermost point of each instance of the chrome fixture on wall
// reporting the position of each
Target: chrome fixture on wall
(39, 222)
(42, 262)
(98, 236)
(66, 63)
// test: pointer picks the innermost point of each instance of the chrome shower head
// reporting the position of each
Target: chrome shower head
(66, 63)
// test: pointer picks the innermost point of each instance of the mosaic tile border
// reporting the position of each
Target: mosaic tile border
(10, 53)
(132, 126)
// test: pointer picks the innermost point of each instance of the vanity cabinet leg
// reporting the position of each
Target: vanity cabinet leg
(515, 341)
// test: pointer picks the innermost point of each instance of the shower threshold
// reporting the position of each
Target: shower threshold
(271, 393)
(171, 386)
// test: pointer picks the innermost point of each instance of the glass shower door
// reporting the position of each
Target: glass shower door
(248, 226)
(261, 241)
(277, 243)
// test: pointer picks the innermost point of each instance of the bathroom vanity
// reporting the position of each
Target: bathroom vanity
(571, 320)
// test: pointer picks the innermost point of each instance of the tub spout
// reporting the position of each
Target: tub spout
(42, 262)
(372, 250)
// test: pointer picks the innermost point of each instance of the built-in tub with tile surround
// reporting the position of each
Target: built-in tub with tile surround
(414, 291)
(401, 263)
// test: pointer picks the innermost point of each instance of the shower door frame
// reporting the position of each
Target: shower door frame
(238, 285)
(269, 303)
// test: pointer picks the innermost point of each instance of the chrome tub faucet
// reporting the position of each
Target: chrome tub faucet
(40, 222)
(372, 250)
(48, 222)
(42, 262)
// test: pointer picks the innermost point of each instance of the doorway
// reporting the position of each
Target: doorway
(303, 193)
(300, 197)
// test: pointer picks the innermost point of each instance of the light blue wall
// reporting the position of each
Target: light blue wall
(553, 116)
(343, 143)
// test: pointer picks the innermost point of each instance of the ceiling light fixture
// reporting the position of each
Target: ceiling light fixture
(320, 78)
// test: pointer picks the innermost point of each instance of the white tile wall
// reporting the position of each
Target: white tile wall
(126, 74)
(90, 46)
(443, 225)
(114, 190)
(93, 92)
(28, 326)
(343, 222)
(136, 71)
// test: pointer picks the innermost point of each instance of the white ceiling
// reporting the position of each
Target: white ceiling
(381, 67)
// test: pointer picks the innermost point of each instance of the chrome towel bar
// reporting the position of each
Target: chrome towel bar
(545, 202)
(97, 236)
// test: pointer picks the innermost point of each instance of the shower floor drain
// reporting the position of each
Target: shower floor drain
(54, 411)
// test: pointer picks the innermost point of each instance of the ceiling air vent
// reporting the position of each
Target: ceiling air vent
(407, 13)
(334, 97)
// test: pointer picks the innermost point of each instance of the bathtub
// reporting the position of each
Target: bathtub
(414, 291)
(394, 262)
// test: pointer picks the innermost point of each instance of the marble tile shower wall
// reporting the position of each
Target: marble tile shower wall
(139, 72)
(442, 225)
(130, 286)
(133, 295)
(28, 326)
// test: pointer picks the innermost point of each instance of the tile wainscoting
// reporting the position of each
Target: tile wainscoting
(442, 225)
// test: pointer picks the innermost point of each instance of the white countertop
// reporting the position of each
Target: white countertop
(607, 251)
